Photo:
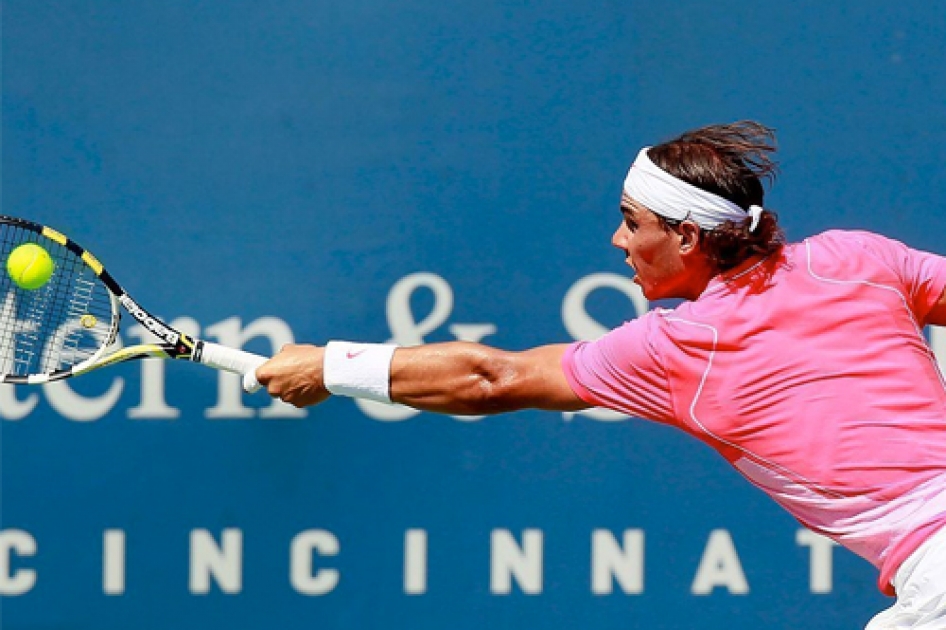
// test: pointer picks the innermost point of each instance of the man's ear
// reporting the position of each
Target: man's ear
(689, 237)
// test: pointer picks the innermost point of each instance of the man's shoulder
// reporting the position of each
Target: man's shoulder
(861, 254)
(848, 241)
(847, 236)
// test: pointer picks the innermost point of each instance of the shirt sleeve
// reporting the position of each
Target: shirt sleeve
(622, 370)
(923, 274)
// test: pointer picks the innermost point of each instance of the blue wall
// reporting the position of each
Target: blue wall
(289, 168)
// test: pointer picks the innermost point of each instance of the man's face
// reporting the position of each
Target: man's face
(654, 252)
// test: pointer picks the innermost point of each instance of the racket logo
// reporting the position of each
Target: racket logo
(149, 322)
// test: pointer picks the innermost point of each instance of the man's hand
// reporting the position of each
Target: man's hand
(294, 375)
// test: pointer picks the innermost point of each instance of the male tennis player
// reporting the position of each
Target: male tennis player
(802, 364)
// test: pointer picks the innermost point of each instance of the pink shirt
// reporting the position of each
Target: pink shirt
(809, 373)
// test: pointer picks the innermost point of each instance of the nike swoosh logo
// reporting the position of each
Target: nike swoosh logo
(352, 355)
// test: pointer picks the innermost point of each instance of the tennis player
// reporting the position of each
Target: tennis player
(802, 364)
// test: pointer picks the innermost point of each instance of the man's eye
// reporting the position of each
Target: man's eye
(631, 224)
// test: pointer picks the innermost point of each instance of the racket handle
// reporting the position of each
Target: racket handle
(231, 360)
(250, 384)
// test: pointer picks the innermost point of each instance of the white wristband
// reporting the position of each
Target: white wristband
(361, 370)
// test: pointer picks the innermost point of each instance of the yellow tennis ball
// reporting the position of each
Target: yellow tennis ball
(30, 266)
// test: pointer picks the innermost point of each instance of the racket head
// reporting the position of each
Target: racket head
(63, 327)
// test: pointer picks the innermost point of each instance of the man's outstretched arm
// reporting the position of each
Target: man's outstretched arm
(458, 378)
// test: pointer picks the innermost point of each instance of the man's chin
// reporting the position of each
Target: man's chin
(644, 289)
(650, 292)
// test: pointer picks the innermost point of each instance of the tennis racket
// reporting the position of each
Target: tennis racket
(69, 325)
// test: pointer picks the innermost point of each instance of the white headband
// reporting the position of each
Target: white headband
(675, 199)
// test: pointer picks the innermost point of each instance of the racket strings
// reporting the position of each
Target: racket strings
(57, 326)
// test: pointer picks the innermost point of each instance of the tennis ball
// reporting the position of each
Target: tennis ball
(30, 266)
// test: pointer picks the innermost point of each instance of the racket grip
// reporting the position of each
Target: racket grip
(250, 384)
(232, 360)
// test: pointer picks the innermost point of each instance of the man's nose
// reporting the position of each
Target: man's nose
(619, 238)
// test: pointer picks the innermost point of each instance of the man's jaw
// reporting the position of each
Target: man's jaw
(636, 278)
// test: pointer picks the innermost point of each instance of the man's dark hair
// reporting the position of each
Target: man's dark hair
(733, 161)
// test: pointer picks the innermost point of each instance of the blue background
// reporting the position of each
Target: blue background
(296, 159)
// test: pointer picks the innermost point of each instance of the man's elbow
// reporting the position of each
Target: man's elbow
(495, 386)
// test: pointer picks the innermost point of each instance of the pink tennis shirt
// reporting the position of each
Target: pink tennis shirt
(808, 371)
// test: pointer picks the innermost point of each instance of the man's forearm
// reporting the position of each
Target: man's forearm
(465, 378)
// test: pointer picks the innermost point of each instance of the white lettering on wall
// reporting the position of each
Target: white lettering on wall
(223, 563)
(612, 562)
(113, 562)
(509, 561)
(415, 561)
(67, 403)
(820, 560)
(720, 567)
(301, 552)
(21, 581)
(11, 407)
